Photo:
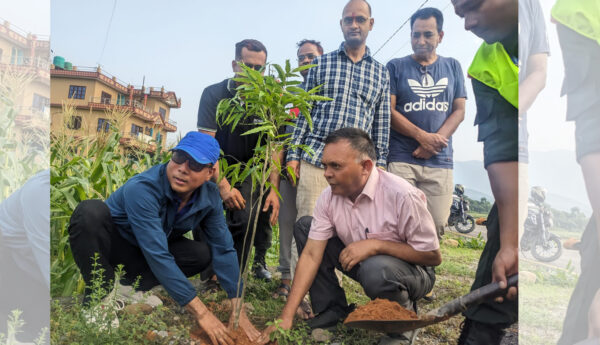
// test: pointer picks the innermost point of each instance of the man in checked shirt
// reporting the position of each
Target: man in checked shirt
(360, 89)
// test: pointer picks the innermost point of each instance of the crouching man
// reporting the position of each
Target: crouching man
(371, 225)
(141, 225)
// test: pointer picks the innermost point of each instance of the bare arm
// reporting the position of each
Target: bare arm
(431, 142)
(306, 271)
(272, 199)
(216, 331)
(231, 196)
(359, 251)
(534, 82)
(452, 121)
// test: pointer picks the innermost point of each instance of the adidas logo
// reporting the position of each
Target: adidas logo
(427, 88)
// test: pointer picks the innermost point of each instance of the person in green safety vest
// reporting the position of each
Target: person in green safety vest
(578, 26)
(494, 75)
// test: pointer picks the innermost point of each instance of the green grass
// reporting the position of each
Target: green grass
(543, 304)
(566, 234)
(454, 278)
(478, 215)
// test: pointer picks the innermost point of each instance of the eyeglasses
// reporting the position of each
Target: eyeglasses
(310, 56)
(359, 20)
(180, 157)
(254, 67)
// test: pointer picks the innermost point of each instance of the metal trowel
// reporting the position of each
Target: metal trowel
(443, 313)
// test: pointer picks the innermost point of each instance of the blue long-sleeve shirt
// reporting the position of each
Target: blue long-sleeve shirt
(144, 210)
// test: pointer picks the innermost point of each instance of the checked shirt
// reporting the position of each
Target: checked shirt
(361, 99)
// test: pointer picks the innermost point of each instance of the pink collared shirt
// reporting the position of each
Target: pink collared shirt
(388, 209)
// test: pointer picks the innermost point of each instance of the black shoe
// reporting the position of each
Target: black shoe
(330, 317)
(477, 333)
(261, 272)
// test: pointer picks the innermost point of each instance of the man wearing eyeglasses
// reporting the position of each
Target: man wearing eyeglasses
(308, 50)
(142, 226)
(359, 87)
(428, 103)
(240, 148)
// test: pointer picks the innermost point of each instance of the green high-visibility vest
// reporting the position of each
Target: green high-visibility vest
(493, 67)
(582, 16)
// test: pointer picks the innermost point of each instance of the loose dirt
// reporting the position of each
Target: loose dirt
(239, 336)
(381, 309)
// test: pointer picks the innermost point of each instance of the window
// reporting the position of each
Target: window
(105, 98)
(158, 137)
(148, 131)
(103, 125)
(74, 123)
(135, 129)
(121, 99)
(16, 58)
(40, 102)
(163, 112)
(77, 92)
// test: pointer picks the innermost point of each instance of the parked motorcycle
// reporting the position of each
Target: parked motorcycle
(544, 246)
(459, 219)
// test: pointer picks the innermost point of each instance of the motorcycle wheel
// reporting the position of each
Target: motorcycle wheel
(466, 227)
(549, 252)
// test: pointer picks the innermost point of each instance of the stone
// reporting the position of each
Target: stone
(450, 243)
(527, 277)
(320, 335)
(137, 309)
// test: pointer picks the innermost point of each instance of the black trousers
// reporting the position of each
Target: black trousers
(502, 314)
(92, 231)
(238, 220)
(575, 325)
(381, 276)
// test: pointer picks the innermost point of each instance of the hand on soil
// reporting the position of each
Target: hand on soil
(244, 322)
(505, 264)
(266, 334)
(216, 331)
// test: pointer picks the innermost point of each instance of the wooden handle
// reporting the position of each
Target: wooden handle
(475, 297)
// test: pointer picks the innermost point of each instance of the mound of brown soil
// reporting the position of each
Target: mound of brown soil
(381, 309)
(239, 336)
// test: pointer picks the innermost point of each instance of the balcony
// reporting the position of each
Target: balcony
(137, 108)
(138, 141)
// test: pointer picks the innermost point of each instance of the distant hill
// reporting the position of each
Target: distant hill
(473, 177)
(557, 171)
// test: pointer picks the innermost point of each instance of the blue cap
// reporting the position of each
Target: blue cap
(202, 147)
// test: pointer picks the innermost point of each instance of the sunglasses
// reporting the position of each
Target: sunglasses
(180, 157)
(310, 56)
(359, 20)
(254, 67)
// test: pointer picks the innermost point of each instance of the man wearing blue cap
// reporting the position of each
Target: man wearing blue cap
(141, 225)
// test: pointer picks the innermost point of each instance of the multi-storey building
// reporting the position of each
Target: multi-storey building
(95, 96)
(24, 63)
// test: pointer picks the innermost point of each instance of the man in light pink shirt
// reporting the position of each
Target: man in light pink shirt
(371, 225)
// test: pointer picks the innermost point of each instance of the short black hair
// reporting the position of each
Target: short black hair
(316, 43)
(250, 44)
(359, 140)
(426, 13)
(365, 1)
